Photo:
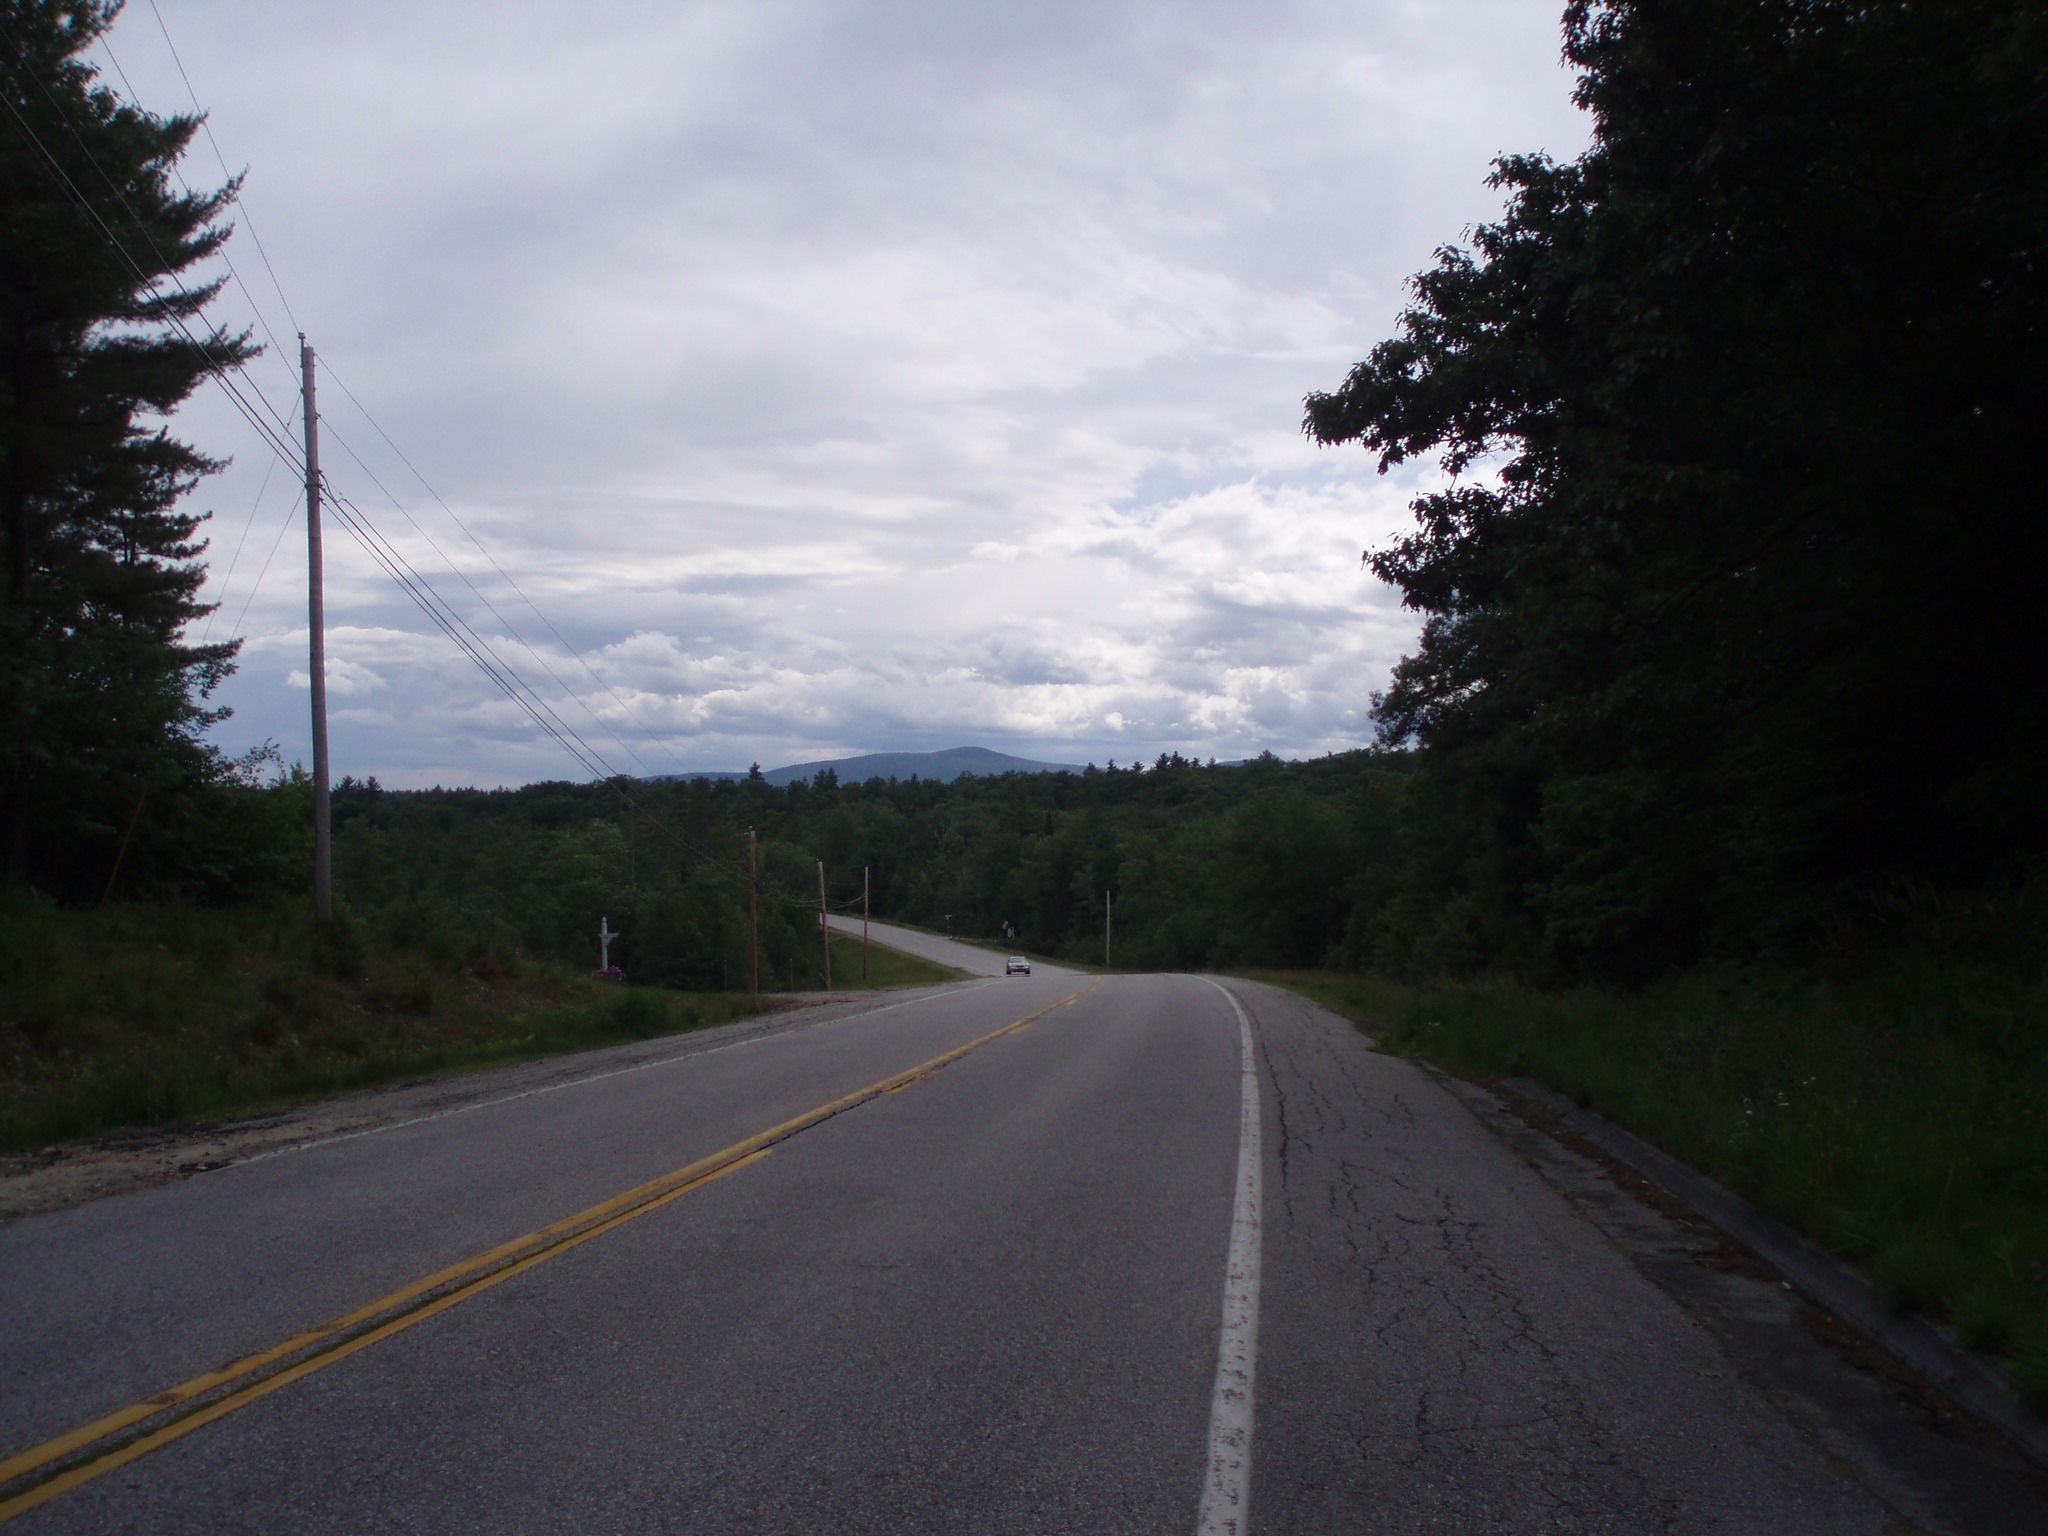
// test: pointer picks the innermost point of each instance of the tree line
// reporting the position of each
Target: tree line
(103, 688)
(1264, 863)
(1731, 610)
(1728, 638)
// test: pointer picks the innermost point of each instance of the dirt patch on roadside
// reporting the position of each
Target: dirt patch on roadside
(75, 1172)
(71, 1173)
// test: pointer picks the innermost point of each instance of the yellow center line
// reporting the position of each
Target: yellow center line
(327, 1342)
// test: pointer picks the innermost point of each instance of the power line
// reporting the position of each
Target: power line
(625, 706)
(269, 467)
(283, 527)
(531, 649)
(224, 370)
(276, 347)
(166, 308)
(560, 639)
(499, 671)
(206, 126)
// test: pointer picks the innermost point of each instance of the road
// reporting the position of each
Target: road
(953, 1262)
(971, 958)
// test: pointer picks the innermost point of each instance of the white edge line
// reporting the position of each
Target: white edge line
(1227, 1485)
(578, 1082)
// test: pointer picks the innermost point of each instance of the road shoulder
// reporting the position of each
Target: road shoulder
(72, 1173)
(1935, 1466)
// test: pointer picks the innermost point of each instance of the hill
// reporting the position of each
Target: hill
(943, 766)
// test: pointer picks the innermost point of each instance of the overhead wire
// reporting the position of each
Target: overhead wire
(218, 367)
(207, 126)
(503, 675)
(277, 348)
(507, 679)
(414, 584)
(224, 372)
(481, 597)
(227, 581)
(505, 575)
(248, 220)
(499, 671)
(283, 527)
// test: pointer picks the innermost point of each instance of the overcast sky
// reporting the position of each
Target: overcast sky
(833, 377)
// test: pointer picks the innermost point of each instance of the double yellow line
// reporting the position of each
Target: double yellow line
(91, 1450)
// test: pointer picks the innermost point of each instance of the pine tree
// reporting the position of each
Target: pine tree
(101, 337)
(1744, 629)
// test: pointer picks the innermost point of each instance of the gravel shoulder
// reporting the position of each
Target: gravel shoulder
(72, 1173)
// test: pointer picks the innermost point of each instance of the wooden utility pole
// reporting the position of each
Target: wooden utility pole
(1105, 930)
(121, 852)
(316, 615)
(863, 922)
(824, 928)
(753, 926)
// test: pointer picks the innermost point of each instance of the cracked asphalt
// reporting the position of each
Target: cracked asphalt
(1469, 1328)
(986, 1302)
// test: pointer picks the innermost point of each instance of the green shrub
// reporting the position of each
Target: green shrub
(141, 1015)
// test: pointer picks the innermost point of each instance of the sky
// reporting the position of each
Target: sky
(769, 382)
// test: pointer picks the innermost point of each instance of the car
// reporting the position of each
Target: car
(1016, 965)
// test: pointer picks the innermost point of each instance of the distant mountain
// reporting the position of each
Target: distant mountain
(944, 766)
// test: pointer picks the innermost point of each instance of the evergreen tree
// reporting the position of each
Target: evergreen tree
(101, 336)
(1743, 621)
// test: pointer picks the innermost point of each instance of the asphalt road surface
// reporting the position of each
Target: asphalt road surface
(971, 958)
(989, 1295)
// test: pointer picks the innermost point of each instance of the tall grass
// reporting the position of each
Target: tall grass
(146, 1015)
(1899, 1118)
(1892, 1105)
(885, 967)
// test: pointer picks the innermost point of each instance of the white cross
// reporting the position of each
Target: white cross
(604, 944)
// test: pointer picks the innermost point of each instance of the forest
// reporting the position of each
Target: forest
(1728, 644)
(1264, 863)
(1710, 790)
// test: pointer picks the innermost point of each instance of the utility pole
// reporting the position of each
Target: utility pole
(316, 615)
(753, 927)
(863, 922)
(824, 928)
(121, 853)
(1105, 930)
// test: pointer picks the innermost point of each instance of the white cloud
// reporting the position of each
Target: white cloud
(838, 377)
(344, 678)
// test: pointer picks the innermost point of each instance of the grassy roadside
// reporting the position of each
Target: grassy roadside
(997, 947)
(1898, 1118)
(886, 968)
(136, 1015)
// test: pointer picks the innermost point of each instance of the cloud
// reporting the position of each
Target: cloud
(344, 678)
(838, 377)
